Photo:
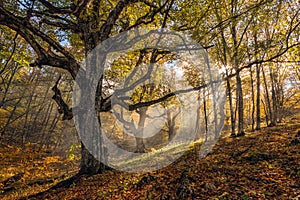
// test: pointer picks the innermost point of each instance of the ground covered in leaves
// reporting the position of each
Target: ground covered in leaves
(262, 165)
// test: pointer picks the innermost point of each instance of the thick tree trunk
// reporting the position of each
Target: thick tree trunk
(140, 146)
(88, 165)
(93, 138)
(92, 149)
(91, 158)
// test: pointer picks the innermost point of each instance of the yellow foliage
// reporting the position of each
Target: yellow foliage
(4, 113)
(51, 159)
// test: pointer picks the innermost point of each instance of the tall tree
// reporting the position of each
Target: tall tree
(48, 26)
(63, 32)
(274, 28)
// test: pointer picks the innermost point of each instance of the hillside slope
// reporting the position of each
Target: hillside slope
(262, 165)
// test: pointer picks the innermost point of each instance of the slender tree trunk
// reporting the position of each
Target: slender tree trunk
(240, 105)
(274, 99)
(30, 100)
(6, 88)
(197, 128)
(235, 57)
(170, 125)
(46, 138)
(268, 104)
(266, 111)
(253, 101)
(222, 114)
(9, 119)
(40, 109)
(258, 118)
(214, 101)
(280, 99)
(205, 114)
(232, 112)
(171, 122)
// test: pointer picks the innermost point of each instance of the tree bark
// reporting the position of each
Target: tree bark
(140, 146)
(268, 103)
(197, 128)
(274, 98)
(205, 114)
(232, 112)
(253, 100)
(258, 118)
(88, 164)
(240, 105)
(171, 121)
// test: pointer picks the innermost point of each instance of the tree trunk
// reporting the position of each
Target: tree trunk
(268, 104)
(7, 86)
(235, 57)
(9, 119)
(222, 115)
(205, 114)
(232, 112)
(240, 105)
(91, 162)
(90, 165)
(140, 146)
(253, 101)
(274, 98)
(258, 97)
(171, 119)
(266, 112)
(214, 101)
(280, 99)
(197, 128)
(171, 131)
(25, 131)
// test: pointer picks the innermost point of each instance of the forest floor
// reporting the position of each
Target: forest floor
(261, 165)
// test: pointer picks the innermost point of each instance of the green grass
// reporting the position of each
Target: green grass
(164, 155)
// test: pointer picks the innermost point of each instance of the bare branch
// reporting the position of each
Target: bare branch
(11, 55)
